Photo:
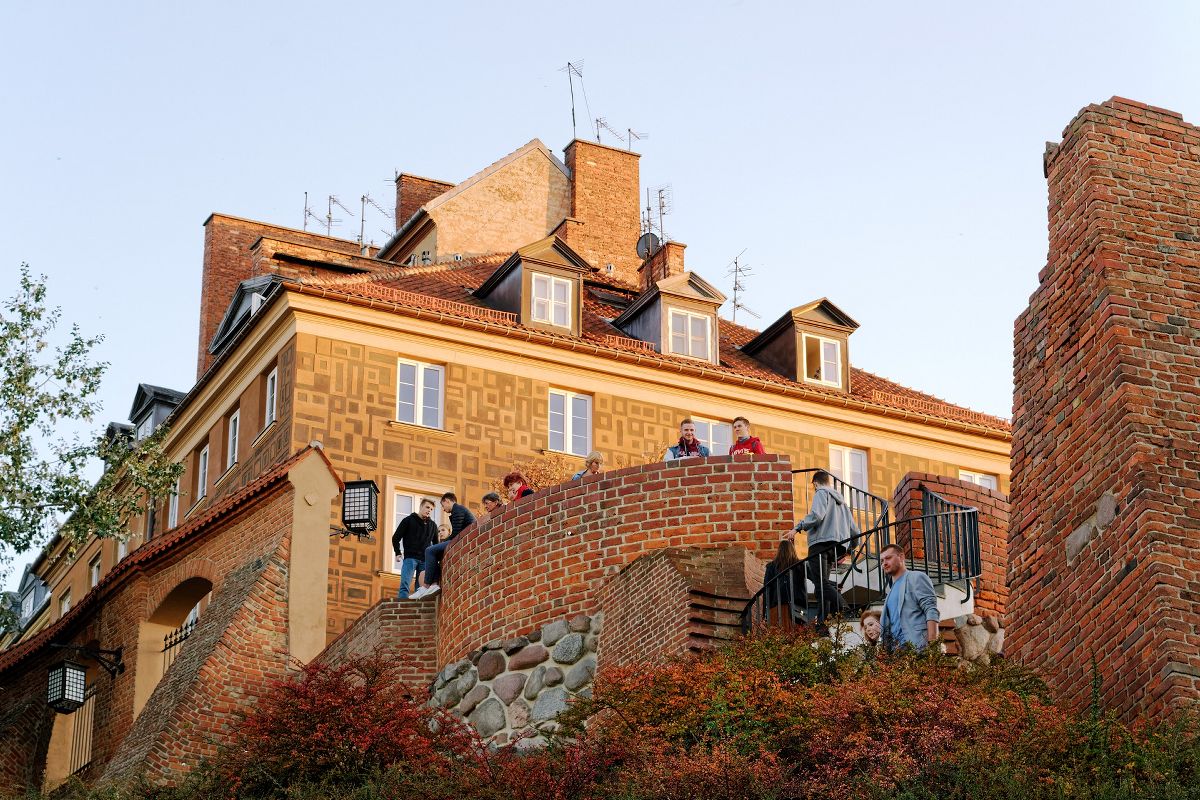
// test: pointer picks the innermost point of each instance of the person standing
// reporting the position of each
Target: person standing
(689, 446)
(831, 527)
(743, 441)
(910, 613)
(592, 465)
(787, 594)
(414, 533)
(460, 518)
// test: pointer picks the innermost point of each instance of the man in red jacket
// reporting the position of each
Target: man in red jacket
(745, 443)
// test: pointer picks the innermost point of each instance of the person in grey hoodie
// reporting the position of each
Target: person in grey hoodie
(831, 527)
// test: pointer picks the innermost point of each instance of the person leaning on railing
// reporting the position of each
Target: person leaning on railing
(831, 527)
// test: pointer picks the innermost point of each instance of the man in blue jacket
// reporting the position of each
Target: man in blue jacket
(910, 613)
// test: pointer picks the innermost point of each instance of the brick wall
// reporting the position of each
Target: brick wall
(992, 595)
(605, 199)
(547, 556)
(399, 628)
(1105, 507)
(645, 612)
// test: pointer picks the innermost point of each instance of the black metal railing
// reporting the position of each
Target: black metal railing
(82, 723)
(173, 640)
(943, 543)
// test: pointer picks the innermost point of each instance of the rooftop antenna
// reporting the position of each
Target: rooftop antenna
(666, 202)
(573, 70)
(602, 123)
(367, 200)
(329, 220)
(310, 214)
(739, 270)
(634, 135)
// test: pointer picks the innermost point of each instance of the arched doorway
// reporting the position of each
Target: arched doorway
(162, 636)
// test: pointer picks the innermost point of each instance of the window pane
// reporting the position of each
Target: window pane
(406, 394)
(431, 403)
(540, 310)
(703, 430)
(561, 290)
(581, 425)
(830, 361)
(699, 344)
(269, 416)
(541, 288)
(858, 469)
(558, 421)
(722, 439)
(560, 315)
(837, 457)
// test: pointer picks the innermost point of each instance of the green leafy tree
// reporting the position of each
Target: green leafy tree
(44, 390)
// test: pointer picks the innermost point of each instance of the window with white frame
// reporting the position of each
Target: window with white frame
(27, 606)
(690, 334)
(202, 474)
(270, 391)
(419, 390)
(173, 506)
(145, 427)
(570, 422)
(551, 301)
(404, 503)
(94, 570)
(122, 549)
(231, 438)
(978, 478)
(64, 605)
(717, 435)
(850, 466)
(822, 360)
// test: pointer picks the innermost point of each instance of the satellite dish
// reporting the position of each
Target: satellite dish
(647, 245)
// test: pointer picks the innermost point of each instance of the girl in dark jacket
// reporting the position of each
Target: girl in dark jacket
(788, 595)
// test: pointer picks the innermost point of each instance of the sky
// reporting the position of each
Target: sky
(887, 156)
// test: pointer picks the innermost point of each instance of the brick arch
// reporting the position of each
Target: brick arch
(186, 569)
(548, 555)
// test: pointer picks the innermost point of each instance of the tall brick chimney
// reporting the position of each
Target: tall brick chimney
(413, 191)
(604, 200)
(1103, 555)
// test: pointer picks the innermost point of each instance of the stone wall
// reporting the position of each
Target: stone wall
(1105, 512)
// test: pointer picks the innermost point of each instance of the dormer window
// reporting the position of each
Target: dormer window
(551, 301)
(691, 334)
(822, 360)
(145, 428)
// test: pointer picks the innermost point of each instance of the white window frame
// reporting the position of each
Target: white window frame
(27, 606)
(689, 316)
(548, 302)
(980, 479)
(94, 571)
(122, 549)
(202, 474)
(233, 425)
(64, 604)
(414, 499)
(419, 368)
(568, 431)
(145, 428)
(270, 401)
(841, 465)
(708, 426)
(173, 506)
(822, 341)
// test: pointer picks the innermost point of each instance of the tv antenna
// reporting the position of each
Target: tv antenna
(666, 204)
(602, 123)
(309, 214)
(574, 69)
(740, 271)
(634, 135)
(367, 200)
(329, 220)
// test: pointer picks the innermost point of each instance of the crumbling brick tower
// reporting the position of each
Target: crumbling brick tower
(1104, 544)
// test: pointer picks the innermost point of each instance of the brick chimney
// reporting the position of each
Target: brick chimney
(1102, 544)
(413, 191)
(604, 199)
(667, 261)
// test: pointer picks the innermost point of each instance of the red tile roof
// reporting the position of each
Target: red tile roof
(447, 288)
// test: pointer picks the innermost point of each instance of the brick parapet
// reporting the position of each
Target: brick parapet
(548, 555)
(404, 630)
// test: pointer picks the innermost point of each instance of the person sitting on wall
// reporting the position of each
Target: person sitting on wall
(689, 446)
(414, 533)
(831, 528)
(458, 519)
(592, 465)
(745, 442)
(788, 595)
(517, 486)
(492, 506)
(910, 613)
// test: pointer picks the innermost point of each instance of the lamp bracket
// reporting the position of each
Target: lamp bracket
(365, 538)
(110, 660)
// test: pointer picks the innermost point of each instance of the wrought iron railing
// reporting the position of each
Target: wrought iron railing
(943, 543)
(82, 723)
(172, 642)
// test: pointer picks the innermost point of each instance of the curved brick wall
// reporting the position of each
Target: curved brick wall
(546, 557)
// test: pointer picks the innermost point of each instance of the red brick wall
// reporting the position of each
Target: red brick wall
(546, 557)
(605, 198)
(400, 628)
(645, 612)
(413, 192)
(1105, 507)
(992, 595)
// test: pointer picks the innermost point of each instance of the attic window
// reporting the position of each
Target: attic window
(690, 334)
(822, 360)
(551, 301)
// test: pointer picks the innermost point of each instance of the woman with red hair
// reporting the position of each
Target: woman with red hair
(516, 485)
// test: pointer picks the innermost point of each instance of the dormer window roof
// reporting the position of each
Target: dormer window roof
(248, 298)
(678, 315)
(541, 283)
(809, 344)
(151, 405)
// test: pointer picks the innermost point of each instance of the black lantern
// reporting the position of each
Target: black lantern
(68, 682)
(360, 507)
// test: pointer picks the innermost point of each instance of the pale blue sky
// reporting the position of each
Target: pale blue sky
(887, 156)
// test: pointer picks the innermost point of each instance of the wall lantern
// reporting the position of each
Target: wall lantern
(360, 509)
(67, 680)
